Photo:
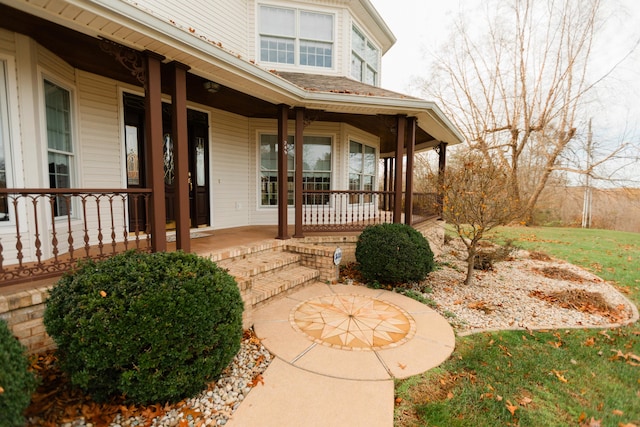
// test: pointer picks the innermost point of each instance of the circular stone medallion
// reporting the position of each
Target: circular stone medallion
(353, 322)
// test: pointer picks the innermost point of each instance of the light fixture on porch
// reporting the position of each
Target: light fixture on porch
(211, 87)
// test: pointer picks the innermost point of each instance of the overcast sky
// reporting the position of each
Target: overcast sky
(421, 26)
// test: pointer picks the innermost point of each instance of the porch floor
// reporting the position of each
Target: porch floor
(204, 242)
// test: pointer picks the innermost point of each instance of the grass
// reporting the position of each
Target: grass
(546, 378)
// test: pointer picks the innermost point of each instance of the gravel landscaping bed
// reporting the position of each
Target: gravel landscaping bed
(505, 297)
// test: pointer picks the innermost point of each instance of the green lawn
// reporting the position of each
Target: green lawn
(547, 378)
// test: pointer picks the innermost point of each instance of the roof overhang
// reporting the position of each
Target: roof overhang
(139, 30)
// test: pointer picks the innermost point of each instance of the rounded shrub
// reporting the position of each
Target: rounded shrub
(393, 253)
(16, 381)
(151, 327)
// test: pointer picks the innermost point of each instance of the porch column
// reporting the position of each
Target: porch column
(283, 232)
(442, 165)
(181, 154)
(153, 132)
(299, 140)
(401, 128)
(411, 148)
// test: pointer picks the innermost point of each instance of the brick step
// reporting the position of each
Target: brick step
(258, 263)
(270, 285)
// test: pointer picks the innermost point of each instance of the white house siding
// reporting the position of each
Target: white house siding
(229, 169)
(100, 147)
(217, 21)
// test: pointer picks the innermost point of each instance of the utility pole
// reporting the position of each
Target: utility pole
(586, 206)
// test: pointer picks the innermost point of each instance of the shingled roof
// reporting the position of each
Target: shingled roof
(338, 84)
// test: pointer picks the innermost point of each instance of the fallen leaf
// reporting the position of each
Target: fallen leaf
(401, 366)
(511, 407)
(525, 401)
(258, 379)
(103, 294)
(450, 395)
(499, 398)
(617, 412)
(582, 417)
(589, 342)
(592, 423)
(560, 376)
(398, 400)
(1, 390)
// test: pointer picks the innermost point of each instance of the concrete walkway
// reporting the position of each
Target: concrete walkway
(338, 349)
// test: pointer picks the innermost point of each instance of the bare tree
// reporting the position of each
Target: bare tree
(518, 90)
(476, 199)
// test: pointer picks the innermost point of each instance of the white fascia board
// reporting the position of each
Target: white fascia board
(380, 23)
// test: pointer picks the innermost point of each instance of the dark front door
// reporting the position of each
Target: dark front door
(198, 131)
(198, 125)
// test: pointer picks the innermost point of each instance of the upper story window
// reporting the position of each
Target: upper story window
(365, 63)
(59, 142)
(296, 37)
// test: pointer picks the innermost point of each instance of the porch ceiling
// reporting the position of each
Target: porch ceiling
(83, 50)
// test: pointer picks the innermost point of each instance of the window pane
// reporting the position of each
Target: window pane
(269, 169)
(277, 21)
(316, 26)
(274, 49)
(357, 41)
(369, 76)
(372, 56)
(316, 54)
(58, 112)
(316, 153)
(4, 203)
(355, 158)
(369, 160)
(356, 67)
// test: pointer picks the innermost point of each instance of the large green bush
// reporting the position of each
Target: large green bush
(16, 381)
(152, 327)
(393, 253)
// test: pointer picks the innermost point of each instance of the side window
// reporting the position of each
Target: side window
(59, 142)
(362, 170)
(269, 170)
(364, 58)
(4, 144)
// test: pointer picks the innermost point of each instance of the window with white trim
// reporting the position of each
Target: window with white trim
(59, 142)
(296, 37)
(4, 144)
(316, 169)
(362, 170)
(365, 58)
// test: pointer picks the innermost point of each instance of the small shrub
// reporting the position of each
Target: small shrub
(16, 381)
(393, 253)
(152, 327)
